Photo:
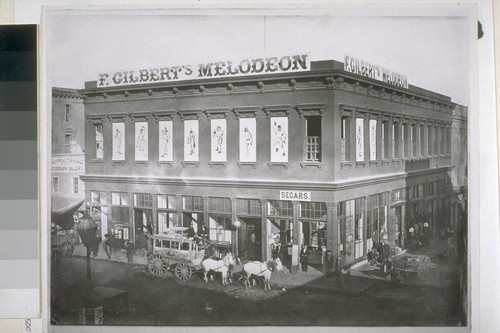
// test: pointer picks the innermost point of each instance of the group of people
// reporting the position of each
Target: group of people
(379, 255)
(108, 248)
(199, 236)
(419, 235)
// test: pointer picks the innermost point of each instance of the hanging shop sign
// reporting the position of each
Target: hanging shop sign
(364, 68)
(295, 195)
(244, 67)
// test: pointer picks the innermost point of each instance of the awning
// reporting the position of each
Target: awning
(64, 205)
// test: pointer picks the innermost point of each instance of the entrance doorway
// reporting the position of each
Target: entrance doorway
(249, 239)
(142, 219)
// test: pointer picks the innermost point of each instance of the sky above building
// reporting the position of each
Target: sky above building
(433, 51)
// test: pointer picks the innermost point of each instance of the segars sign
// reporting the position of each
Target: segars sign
(295, 195)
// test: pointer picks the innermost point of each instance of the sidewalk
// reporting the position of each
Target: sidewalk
(358, 281)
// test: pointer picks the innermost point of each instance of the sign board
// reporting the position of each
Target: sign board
(295, 255)
(227, 68)
(71, 163)
(295, 195)
(364, 68)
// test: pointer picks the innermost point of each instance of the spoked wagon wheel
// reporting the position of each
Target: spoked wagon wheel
(183, 272)
(66, 249)
(157, 265)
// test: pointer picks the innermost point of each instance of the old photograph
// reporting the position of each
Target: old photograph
(258, 168)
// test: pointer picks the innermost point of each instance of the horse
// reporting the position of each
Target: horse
(263, 269)
(221, 266)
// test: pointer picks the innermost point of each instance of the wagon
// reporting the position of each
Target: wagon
(408, 265)
(182, 256)
(63, 241)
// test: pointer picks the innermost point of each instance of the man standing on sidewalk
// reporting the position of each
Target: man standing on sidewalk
(386, 252)
(304, 258)
(107, 246)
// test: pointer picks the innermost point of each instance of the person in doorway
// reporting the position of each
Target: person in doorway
(107, 246)
(129, 246)
(304, 258)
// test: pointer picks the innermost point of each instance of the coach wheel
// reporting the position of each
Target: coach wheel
(157, 265)
(66, 249)
(182, 272)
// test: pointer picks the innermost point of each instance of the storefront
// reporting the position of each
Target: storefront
(267, 163)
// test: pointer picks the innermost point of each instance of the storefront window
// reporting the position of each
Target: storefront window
(359, 208)
(249, 207)
(143, 200)
(119, 198)
(120, 218)
(219, 205)
(315, 210)
(280, 208)
(99, 142)
(193, 203)
(220, 228)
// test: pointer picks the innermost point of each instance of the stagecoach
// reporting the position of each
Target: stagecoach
(175, 252)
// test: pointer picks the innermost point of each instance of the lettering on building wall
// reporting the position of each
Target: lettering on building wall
(68, 164)
(364, 68)
(295, 195)
(287, 63)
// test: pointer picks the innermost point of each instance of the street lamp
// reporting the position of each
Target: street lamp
(87, 229)
(237, 225)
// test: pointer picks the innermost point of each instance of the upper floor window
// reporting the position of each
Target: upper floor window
(360, 139)
(313, 138)
(383, 136)
(67, 112)
(75, 185)
(422, 140)
(99, 142)
(395, 140)
(344, 138)
(55, 185)
(373, 139)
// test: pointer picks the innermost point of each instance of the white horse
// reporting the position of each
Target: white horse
(221, 266)
(263, 269)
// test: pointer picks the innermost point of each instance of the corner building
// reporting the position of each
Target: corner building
(325, 157)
